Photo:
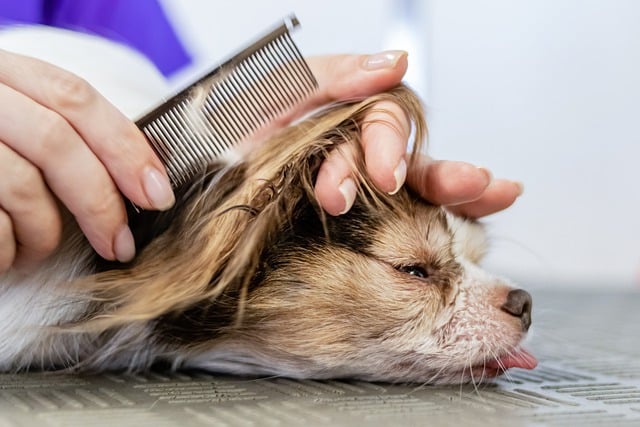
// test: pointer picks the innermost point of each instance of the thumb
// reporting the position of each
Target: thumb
(341, 78)
(344, 77)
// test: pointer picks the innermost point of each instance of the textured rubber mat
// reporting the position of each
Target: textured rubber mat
(588, 345)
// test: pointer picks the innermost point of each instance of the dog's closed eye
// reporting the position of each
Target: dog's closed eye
(414, 270)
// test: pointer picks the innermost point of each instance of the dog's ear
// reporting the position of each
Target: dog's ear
(216, 241)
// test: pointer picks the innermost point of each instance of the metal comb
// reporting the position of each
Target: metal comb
(262, 81)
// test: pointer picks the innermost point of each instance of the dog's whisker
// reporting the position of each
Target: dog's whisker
(474, 381)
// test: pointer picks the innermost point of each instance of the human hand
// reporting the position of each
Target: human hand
(62, 142)
(465, 189)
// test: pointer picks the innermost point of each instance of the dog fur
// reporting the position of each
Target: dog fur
(247, 275)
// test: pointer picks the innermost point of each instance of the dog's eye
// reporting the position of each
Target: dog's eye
(414, 270)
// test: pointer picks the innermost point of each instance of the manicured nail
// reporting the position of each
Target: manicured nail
(124, 245)
(382, 60)
(487, 173)
(348, 189)
(520, 187)
(400, 174)
(158, 189)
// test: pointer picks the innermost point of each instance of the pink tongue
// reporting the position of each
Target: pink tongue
(519, 359)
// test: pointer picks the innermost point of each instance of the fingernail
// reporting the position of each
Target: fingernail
(382, 60)
(520, 186)
(158, 189)
(348, 189)
(487, 173)
(400, 174)
(124, 245)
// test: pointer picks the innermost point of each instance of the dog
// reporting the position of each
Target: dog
(247, 275)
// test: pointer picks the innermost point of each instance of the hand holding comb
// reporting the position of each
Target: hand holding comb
(201, 122)
(256, 85)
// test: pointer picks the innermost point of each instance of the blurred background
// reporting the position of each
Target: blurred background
(542, 91)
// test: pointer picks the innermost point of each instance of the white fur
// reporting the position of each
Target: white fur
(31, 301)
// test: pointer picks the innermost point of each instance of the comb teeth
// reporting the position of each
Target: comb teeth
(200, 123)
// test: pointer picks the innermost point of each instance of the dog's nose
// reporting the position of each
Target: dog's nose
(519, 304)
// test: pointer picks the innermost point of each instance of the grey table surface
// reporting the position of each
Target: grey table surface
(589, 374)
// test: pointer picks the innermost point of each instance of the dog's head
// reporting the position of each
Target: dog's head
(392, 293)
(253, 278)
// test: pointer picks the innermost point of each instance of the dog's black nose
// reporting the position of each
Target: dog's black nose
(519, 304)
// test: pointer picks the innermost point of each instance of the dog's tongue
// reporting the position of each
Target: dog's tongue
(520, 358)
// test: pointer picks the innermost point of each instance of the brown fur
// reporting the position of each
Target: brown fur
(221, 236)
(248, 275)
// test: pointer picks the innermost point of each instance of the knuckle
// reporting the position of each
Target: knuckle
(390, 114)
(24, 182)
(102, 205)
(99, 219)
(339, 164)
(124, 150)
(70, 92)
(53, 130)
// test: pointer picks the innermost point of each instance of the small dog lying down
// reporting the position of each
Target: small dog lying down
(249, 276)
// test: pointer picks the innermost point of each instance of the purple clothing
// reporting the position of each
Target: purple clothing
(140, 24)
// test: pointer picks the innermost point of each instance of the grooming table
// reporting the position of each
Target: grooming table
(589, 374)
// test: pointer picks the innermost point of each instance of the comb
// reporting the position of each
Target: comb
(201, 122)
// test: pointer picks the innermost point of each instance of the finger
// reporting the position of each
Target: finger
(445, 182)
(113, 138)
(499, 195)
(35, 222)
(335, 187)
(345, 78)
(385, 132)
(70, 169)
(7, 242)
